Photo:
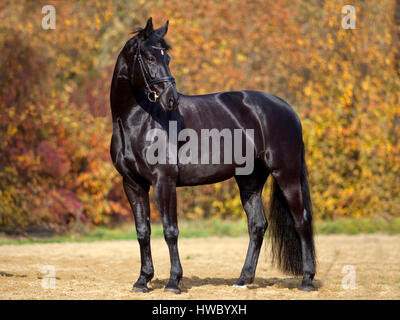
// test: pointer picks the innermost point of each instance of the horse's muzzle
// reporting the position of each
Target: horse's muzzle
(172, 100)
(172, 104)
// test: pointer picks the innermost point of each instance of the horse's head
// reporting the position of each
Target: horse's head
(150, 66)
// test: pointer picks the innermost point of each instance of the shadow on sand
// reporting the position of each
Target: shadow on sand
(188, 283)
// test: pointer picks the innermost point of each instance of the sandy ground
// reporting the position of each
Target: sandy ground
(107, 270)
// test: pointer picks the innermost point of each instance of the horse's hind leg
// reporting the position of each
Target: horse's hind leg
(250, 193)
(295, 190)
(139, 200)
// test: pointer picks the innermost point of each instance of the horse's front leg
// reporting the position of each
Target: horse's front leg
(165, 194)
(139, 200)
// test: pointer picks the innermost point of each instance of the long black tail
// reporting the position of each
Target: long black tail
(285, 241)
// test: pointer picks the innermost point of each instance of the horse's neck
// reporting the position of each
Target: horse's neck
(125, 100)
(122, 99)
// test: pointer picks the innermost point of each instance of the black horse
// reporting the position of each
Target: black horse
(144, 98)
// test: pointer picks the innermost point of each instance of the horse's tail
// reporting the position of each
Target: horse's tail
(285, 241)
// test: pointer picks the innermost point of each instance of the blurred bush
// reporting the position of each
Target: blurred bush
(55, 124)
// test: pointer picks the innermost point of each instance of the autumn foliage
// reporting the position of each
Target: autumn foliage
(55, 125)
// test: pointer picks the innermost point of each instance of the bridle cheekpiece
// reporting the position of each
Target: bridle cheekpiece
(148, 81)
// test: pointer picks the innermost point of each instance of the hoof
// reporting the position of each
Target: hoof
(242, 282)
(308, 288)
(175, 290)
(141, 289)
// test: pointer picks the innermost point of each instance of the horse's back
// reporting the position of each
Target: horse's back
(271, 117)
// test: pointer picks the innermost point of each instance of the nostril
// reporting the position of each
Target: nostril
(171, 102)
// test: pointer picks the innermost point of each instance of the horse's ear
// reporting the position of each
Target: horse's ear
(163, 30)
(148, 28)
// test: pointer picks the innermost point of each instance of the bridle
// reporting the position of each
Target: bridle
(151, 94)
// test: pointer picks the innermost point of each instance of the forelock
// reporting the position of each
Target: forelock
(152, 40)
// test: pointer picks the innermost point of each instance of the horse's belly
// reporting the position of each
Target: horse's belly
(192, 174)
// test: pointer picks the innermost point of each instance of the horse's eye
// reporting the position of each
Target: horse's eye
(152, 59)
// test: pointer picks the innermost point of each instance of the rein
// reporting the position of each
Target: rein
(151, 94)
